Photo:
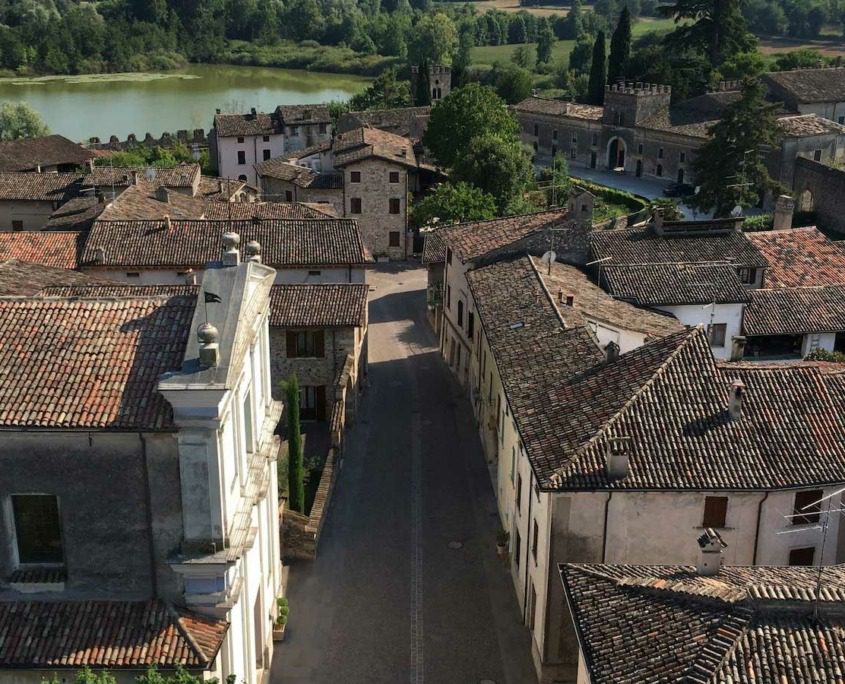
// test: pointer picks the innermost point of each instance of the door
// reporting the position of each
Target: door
(680, 176)
(639, 167)
(592, 160)
(320, 402)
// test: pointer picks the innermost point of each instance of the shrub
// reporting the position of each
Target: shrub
(824, 355)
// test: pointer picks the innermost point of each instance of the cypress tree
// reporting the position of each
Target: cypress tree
(598, 71)
(620, 48)
(296, 473)
(422, 90)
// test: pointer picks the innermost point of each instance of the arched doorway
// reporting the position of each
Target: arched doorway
(680, 176)
(616, 153)
(805, 201)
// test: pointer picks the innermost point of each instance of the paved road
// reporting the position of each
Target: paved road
(388, 601)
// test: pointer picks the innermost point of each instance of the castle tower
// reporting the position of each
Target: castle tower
(627, 104)
(439, 80)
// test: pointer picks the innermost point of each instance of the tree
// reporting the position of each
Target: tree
(517, 31)
(385, 92)
(20, 120)
(730, 167)
(522, 57)
(434, 39)
(463, 57)
(545, 43)
(422, 86)
(296, 472)
(713, 27)
(556, 178)
(598, 71)
(513, 84)
(454, 203)
(620, 48)
(499, 166)
(461, 116)
(573, 25)
(581, 57)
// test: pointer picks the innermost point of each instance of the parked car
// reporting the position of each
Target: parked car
(678, 190)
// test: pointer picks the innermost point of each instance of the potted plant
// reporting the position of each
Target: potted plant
(282, 611)
(502, 539)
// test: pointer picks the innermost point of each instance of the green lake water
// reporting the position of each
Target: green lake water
(80, 107)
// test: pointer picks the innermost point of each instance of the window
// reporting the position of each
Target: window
(322, 129)
(304, 344)
(716, 334)
(573, 153)
(534, 541)
(266, 154)
(249, 434)
(574, 138)
(817, 155)
(532, 607)
(682, 157)
(842, 120)
(266, 138)
(37, 528)
(355, 205)
(595, 139)
(660, 153)
(715, 511)
(354, 176)
(536, 147)
(804, 556)
(517, 549)
(460, 314)
(513, 462)
(660, 170)
(288, 196)
(241, 157)
(294, 131)
(240, 138)
(394, 176)
(536, 129)
(807, 507)
(448, 296)
(314, 273)
(243, 178)
(640, 148)
(307, 402)
(394, 206)
(747, 275)
(554, 134)
(518, 491)
(393, 238)
(17, 225)
(133, 274)
(470, 325)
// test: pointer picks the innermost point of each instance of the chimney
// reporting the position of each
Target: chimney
(134, 178)
(657, 221)
(209, 348)
(784, 206)
(570, 300)
(612, 352)
(252, 251)
(710, 558)
(163, 194)
(167, 222)
(253, 112)
(190, 277)
(736, 398)
(617, 451)
(231, 255)
(99, 255)
(738, 348)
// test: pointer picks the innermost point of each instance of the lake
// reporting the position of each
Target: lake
(80, 107)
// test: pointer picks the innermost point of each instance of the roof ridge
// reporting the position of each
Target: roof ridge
(186, 633)
(704, 669)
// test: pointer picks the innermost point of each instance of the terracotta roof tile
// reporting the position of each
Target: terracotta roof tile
(318, 305)
(104, 288)
(50, 248)
(362, 143)
(800, 257)
(297, 115)
(811, 85)
(27, 154)
(795, 311)
(106, 634)
(77, 213)
(282, 169)
(23, 278)
(40, 187)
(804, 125)
(78, 363)
(179, 176)
(239, 125)
(434, 249)
(406, 121)
(669, 284)
(144, 201)
(241, 211)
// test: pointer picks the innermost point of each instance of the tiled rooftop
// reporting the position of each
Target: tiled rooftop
(77, 363)
(50, 248)
(144, 201)
(40, 187)
(362, 143)
(180, 176)
(469, 241)
(78, 213)
(539, 105)
(238, 125)
(434, 249)
(800, 257)
(241, 211)
(113, 289)
(746, 625)
(673, 284)
(405, 121)
(27, 154)
(593, 302)
(293, 115)
(219, 189)
(324, 306)
(811, 85)
(795, 311)
(21, 278)
(113, 635)
(184, 244)
(282, 169)
(805, 125)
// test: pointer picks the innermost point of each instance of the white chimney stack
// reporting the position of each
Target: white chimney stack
(710, 558)
(208, 336)
(617, 453)
(736, 398)
(738, 348)
(252, 251)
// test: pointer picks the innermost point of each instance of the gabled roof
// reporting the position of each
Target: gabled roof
(746, 625)
(670, 399)
(800, 257)
(434, 249)
(22, 278)
(77, 213)
(282, 169)
(471, 240)
(104, 288)
(27, 154)
(318, 305)
(143, 201)
(51, 248)
(539, 105)
(298, 115)
(262, 211)
(810, 85)
(682, 242)
(364, 143)
(89, 364)
(106, 634)
(191, 244)
(39, 187)
(795, 311)
(179, 176)
(405, 121)
(693, 117)
(219, 189)
(675, 284)
(254, 123)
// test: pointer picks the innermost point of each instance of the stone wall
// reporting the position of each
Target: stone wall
(195, 138)
(301, 533)
(824, 185)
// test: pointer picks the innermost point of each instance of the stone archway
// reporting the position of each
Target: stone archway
(805, 201)
(616, 153)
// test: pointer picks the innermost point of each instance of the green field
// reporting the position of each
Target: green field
(490, 54)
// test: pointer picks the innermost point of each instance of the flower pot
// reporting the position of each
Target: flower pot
(279, 632)
(502, 549)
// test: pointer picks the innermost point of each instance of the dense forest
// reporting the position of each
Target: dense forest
(69, 36)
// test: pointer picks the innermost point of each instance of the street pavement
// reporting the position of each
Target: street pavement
(406, 586)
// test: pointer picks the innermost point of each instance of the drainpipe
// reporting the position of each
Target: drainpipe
(604, 533)
(149, 514)
(757, 531)
(527, 546)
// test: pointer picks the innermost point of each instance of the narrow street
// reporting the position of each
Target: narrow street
(407, 586)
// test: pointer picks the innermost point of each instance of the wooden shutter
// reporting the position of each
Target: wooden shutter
(320, 401)
(319, 345)
(715, 511)
(290, 340)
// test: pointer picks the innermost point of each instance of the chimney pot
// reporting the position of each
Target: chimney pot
(209, 352)
(252, 251)
(167, 222)
(612, 351)
(738, 348)
(190, 277)
(657, 219)
(710, 558)
(736, 399)
(231, 254)
(784, 206)
(617, 451)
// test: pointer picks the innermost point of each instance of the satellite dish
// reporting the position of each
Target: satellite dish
(150, 174)
(736, 212)
(548, 258)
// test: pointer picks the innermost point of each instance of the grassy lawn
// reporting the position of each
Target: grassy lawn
(514, 6)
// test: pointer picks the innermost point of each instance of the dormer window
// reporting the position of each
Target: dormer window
(748, 276)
